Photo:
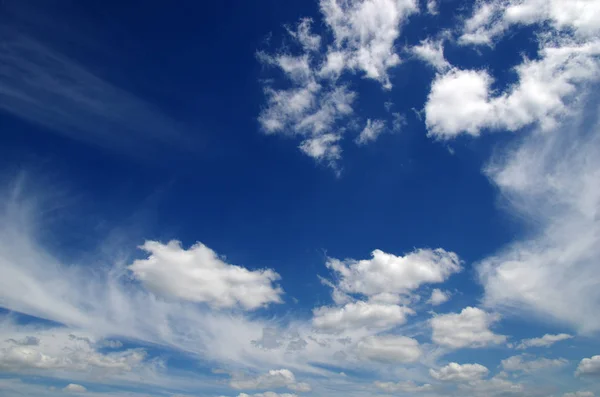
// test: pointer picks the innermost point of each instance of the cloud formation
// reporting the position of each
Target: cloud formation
(469, 328)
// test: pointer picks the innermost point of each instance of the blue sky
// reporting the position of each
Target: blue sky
(300, 198)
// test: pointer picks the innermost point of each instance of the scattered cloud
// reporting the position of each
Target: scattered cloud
(454, 372)
(545, 341)
(579, 394)
(469, 328)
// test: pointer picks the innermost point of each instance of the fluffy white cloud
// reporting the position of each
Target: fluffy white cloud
(274, 379)
(579, 394)
(388, 273)
(389, 348)
(469, 328)
(462, 101)
(199, 275)
(359, 315)
(550, 179)
(544, 341)
(371, 132)
(438, 297)
(432, 52)
(455, 372)
(403, 387)
(74, 388)
(493, 18)
(520, 363)
(589, 367)
(366, 30)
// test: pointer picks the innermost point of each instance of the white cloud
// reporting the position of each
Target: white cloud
(589, 367)
(389, 348)
(544, 341)
(388, 273)
(359, 315)
(549, 180)
(469, 328)
(366, 30)
(519, 363)
(579, 394)
(455, 372)
(403, 387)
(199, 275)
(432, 52)
(74, 388)
(493, 18)
(438, 297)
(462, 101)
(274, 379)
(371, 132)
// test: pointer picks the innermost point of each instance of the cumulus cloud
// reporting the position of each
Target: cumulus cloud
(455, 372)
(438, 297)
(199, 275)
(388, 273)
(462, 101)
(589, 367)
(492, 18)
(403, 387)
(359, 314)
(389, 349)
(74, 388)
(274, 379)
(469, 328)
(545, 341)
(520, 363)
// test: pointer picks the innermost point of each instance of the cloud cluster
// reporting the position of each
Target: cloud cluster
(589, 367)
(316, 100)
(403, 387)
(520, 363)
